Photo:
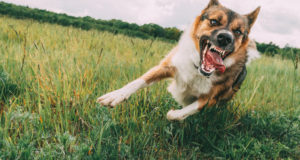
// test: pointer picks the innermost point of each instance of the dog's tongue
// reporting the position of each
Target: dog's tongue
(216, 60)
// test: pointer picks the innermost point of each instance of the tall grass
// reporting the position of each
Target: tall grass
(60, 71)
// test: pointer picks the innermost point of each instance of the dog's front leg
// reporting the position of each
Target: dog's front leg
(115, 97)
(188, 110)
(164, 70)
(153, 75)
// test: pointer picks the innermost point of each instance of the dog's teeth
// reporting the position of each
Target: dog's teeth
(215, 49)
(205, 50)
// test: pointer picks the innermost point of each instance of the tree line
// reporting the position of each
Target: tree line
(146, 31)
(271, 49)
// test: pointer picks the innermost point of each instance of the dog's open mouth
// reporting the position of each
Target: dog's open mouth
(211, 58)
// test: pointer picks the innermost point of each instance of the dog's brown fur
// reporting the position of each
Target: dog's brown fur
(163, 70)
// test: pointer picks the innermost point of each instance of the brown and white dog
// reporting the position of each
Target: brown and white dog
(207, 66)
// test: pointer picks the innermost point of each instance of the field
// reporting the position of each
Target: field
(60, 71)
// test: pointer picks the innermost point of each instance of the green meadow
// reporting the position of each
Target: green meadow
(51, 77)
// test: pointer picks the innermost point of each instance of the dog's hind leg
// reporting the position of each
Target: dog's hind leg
(163, 70)
(188, 110)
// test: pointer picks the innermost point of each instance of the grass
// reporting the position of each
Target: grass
(60, 72)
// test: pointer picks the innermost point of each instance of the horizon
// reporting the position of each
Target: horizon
(276, 23)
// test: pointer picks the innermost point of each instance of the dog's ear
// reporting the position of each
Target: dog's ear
(252, 16)
(213, 3)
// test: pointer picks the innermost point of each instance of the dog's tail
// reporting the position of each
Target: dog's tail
(252, 52)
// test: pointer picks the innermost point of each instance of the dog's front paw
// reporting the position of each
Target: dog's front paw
(175, 115)
(113, 98)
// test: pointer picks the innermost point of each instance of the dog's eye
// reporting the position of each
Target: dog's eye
(214, 22)
(237, 32)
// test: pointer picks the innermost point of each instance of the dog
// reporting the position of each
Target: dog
(207, 66)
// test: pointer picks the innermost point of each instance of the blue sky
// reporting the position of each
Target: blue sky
(279, 21)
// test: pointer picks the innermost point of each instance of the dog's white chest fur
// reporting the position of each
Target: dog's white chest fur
(188, 84)
(186, 93)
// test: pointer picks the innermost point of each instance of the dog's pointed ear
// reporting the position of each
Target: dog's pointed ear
(213, 3)
(252, 16)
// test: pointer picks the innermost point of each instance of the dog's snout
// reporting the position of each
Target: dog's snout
(224, 39)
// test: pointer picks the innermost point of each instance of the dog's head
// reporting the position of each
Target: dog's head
(219, 32)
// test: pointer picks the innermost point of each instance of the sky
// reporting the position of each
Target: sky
(278, 21)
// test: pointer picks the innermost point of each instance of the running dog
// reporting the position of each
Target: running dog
(207, 66)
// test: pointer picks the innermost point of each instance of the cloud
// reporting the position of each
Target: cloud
(278, 21)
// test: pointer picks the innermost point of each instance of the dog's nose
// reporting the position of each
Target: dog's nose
(224, 39)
